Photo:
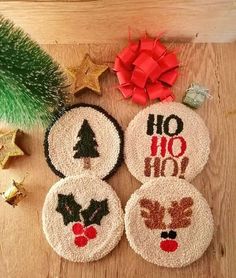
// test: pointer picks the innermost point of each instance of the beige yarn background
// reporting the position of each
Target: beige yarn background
(61, 238)
(193, 240)
(195, 133)
(63, 137)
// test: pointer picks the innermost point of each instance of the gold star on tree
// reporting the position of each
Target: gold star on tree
(8, 147)
(86, 76)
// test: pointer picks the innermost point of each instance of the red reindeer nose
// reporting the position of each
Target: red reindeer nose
(169, 245)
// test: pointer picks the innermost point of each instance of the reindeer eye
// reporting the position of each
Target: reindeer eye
(164, 234)
(172, 234)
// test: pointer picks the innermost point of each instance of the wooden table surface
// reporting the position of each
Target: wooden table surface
(24, 251)
(106, 21)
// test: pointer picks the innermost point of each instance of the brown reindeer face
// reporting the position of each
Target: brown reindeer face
(168, 222)
(180, 213)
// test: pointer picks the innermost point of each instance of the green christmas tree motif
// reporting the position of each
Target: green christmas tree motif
(86, 147)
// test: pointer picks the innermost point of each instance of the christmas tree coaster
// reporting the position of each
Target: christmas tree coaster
(82, 223)
(168, 222)
(166, 139)
(84, 138)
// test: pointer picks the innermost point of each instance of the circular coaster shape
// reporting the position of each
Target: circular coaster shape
(166, 139)
(82, 223)
(168, 222)
(84, 138)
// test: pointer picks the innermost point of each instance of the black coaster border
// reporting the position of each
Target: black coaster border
(58, 115)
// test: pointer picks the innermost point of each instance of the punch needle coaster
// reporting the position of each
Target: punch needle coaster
(84, 138)
(168, 222)
(166, 139)
(82, 223)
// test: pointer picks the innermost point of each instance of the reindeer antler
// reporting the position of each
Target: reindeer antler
(154, 218)
(180, 213)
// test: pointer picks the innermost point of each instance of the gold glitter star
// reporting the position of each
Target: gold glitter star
(86, 76)
(8, 148)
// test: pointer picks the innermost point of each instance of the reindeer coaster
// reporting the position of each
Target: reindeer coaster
(166, 139)
(168, 222)
(82, 218)
(84, 138)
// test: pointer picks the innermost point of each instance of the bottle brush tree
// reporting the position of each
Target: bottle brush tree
(32, 85)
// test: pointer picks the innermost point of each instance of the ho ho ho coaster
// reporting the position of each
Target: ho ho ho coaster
(82, 223)
(166, 139)
(84, 138)
(168, 222)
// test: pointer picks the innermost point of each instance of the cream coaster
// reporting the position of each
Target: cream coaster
(82, 218)
(168, 222)
(166, 139)
(84, 138)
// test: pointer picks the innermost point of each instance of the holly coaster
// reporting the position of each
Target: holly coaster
(80, 222)
(168, 222)
(84, 138)
(166, 139)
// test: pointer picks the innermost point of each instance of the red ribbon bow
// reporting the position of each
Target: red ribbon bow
(145, 69)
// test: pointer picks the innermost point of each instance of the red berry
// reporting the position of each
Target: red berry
(81, 241)
(90, 232)
(78, 228)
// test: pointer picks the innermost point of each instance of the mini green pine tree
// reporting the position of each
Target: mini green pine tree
(32, 86)
(86, 147)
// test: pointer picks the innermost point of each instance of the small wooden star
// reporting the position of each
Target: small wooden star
(8, 147)
(86, 76)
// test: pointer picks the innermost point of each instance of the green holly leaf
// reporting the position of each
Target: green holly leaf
(68, 207)
(95, 212)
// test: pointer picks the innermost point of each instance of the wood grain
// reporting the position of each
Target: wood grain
(24, 252)
(104, 21)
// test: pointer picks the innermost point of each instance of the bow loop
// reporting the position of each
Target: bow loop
(146, 70)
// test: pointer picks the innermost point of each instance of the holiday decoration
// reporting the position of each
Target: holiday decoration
(87, 146)
(92, 142)
(95, 212)
(168, 222)
(83, 234)
(82, 218)
(195, 95)
(146, 70)
(15, 193)
(166, 139)
(86, 76)
(70, 210)
(92, 215)
(8, 147)
(31, 84)
(68, 207)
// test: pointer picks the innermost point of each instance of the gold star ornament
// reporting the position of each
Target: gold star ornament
(86, 76)
(8, 147)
